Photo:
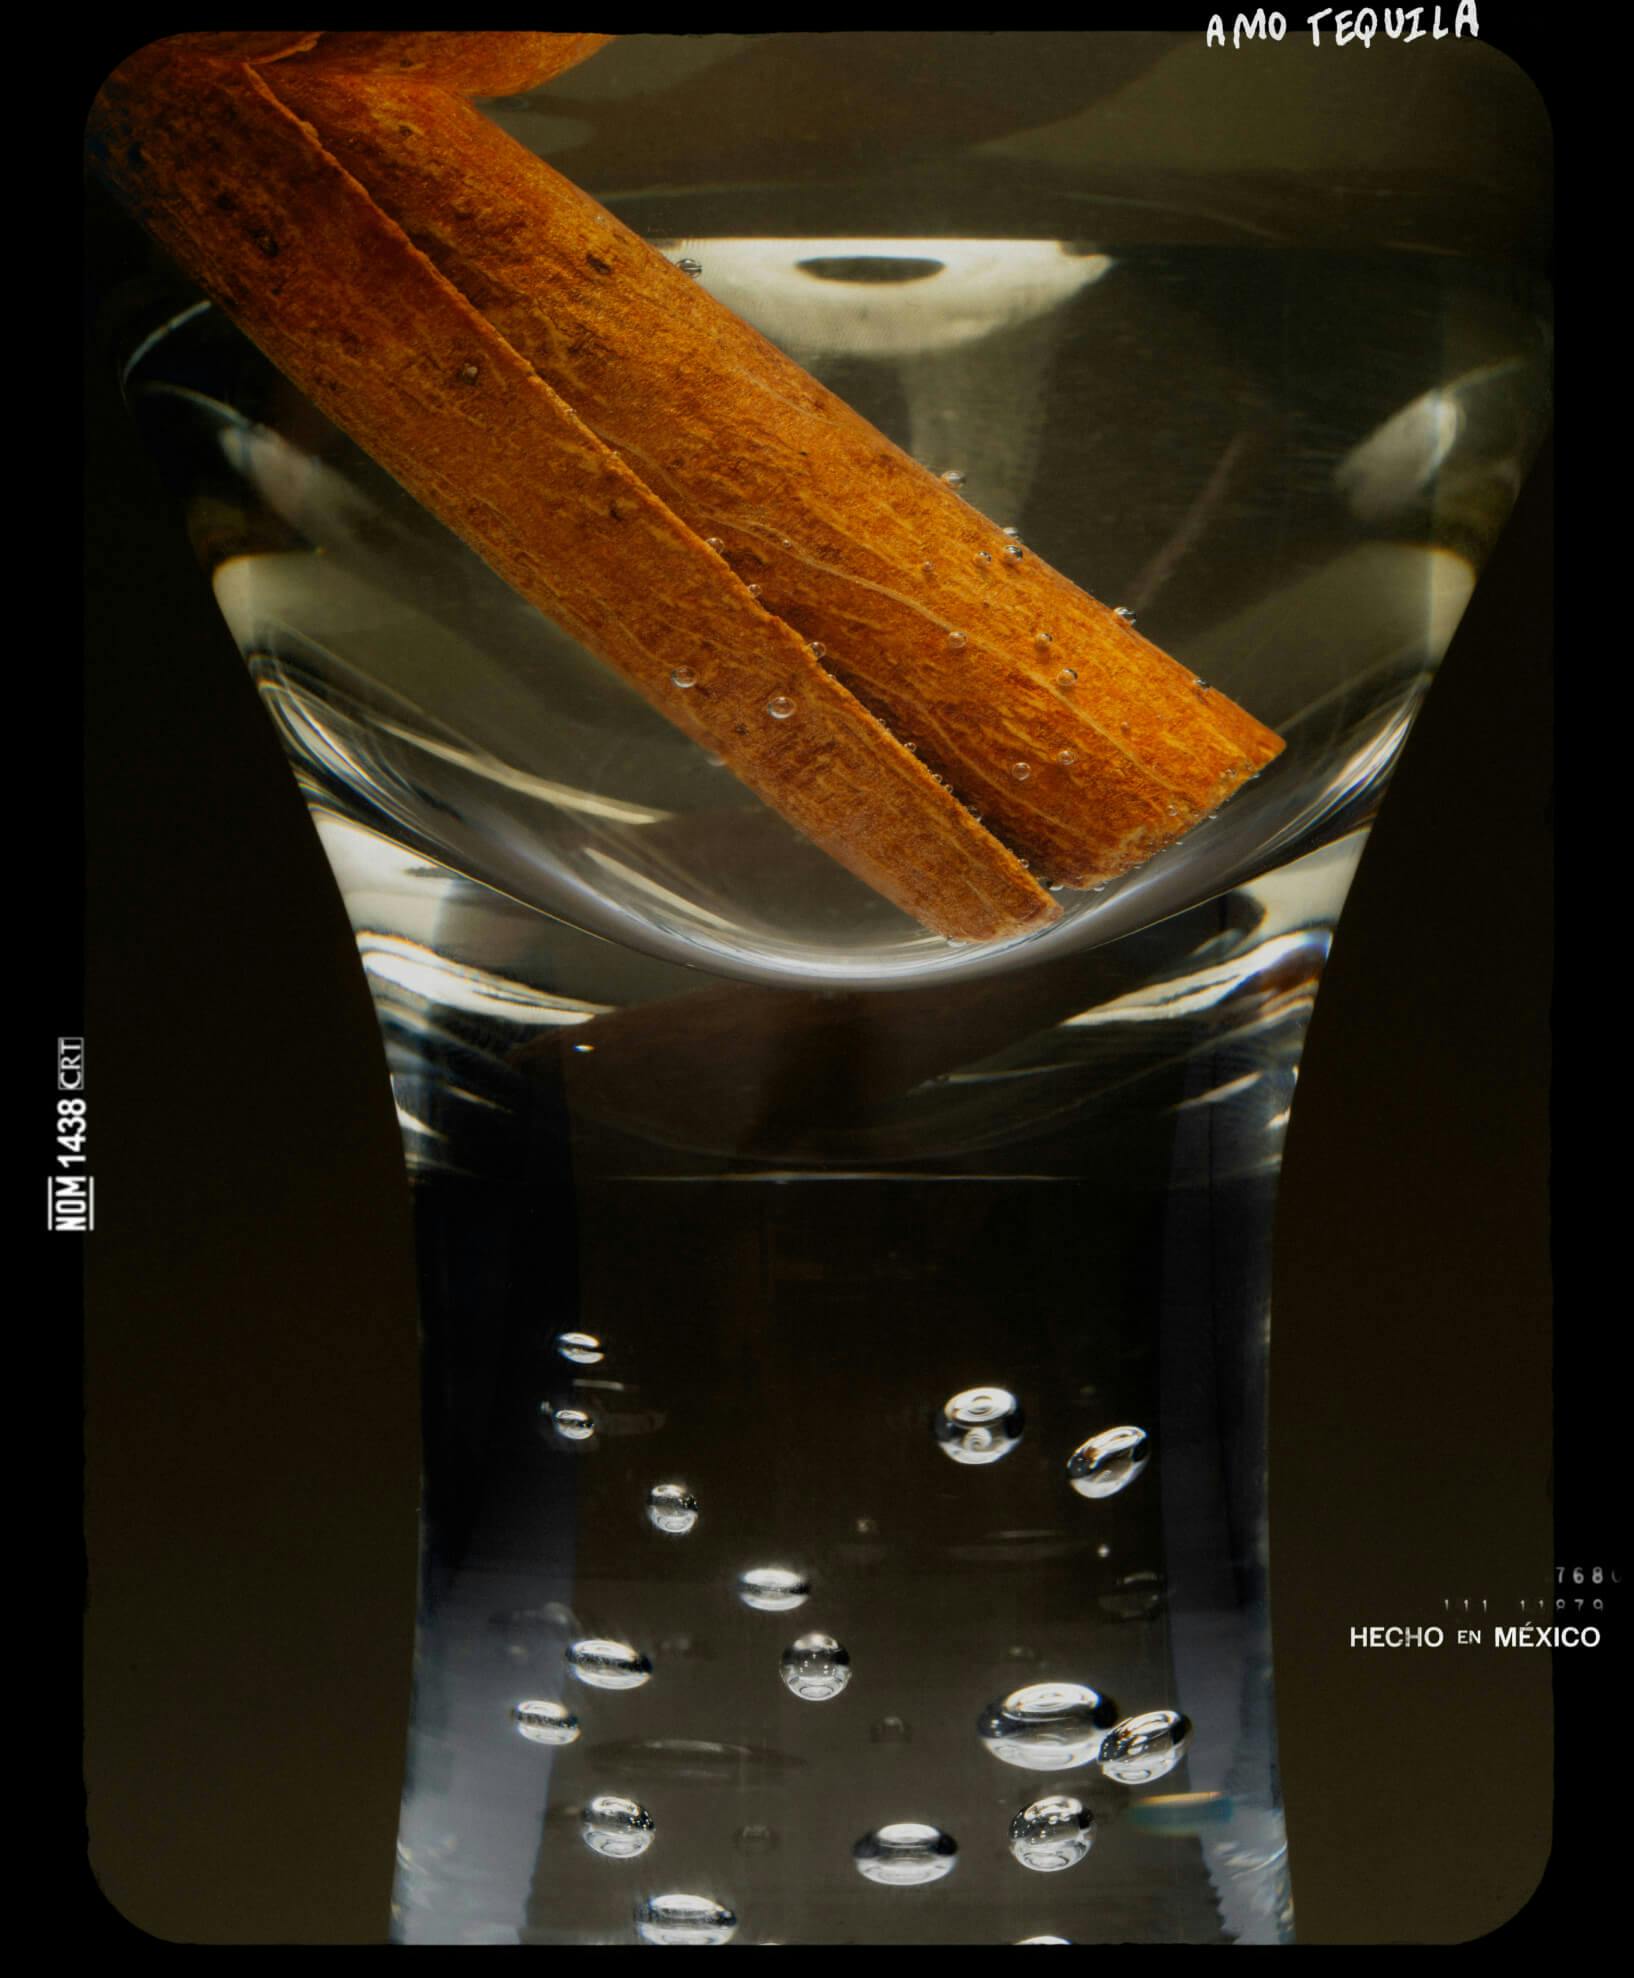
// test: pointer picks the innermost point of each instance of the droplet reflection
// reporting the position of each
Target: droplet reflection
(1048, 1727)
(905, 1855)
(1109, 1462)
(1052, 1834)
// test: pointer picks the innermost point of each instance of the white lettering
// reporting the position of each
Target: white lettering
(1316, 32)
(1216, 31)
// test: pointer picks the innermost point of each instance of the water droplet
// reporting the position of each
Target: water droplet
(905, 1855)
(773, 1589)
(1202, 686)
(1103, 1552)
(780, 707)
(573, 1424)
(1067, 757)
(979, 1425)
(469, 373)
(754, 590)
(1122, 611)
(683, 676)
(1145, 1747)
(684, 1920)
(1067, 676)
(816, 1668)
(715, 543)
(1044, 1940)
(608, 1665)
(984, 556)
(1109, 1462)
(869, 1527)
(954, 478)
(1052, 1834)
(1013, 534)
(913, 749)
(956, 640)
(1048, 1727)
(818, 651)
(785, 542)
(1042, 639)
(1123, 727)
(1021, 771)
(1015, 553)
(688, 266)
(890, 1730)
(929, 569)
(582, 1348)
(755, 1839)
(617, 1829)
(585, 1050)
(546, 1723)
(672, 1508)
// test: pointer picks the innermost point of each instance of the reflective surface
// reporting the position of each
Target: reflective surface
(750, 1202)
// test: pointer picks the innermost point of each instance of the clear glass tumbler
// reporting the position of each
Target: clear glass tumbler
(844, 1353)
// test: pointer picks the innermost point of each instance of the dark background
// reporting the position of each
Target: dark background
(250, 1382)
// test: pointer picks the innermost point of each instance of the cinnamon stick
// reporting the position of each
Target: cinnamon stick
(497, 340)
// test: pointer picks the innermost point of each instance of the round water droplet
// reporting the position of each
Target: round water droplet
(780, 707)
(957, 640)
(1015, 553)
(1048, 1727)
(1202, 686)
(1066, 757)
(1052, 1834)
(684, 1920)
(816, 1668)
(608, 1665)
(615, 1828)
(818, 651)
(1067, 677)
(979, 1425)
(754, 590)
(984, 556)
(672, 1508)
(929, 569)
(683, 676)
(1013, 534)
(1145, 1747)
(905, 1855)
(688, 266)
(954, 478)
(582, 1348)
(1021, 771)
(573, 1424)
(715, 543)
(1122, 611)
(1044, 1940)
(755, 1839)
(546, 1723)
(1042, 639)
(890, 1730)
(1109, 1462)
(773, 1589)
